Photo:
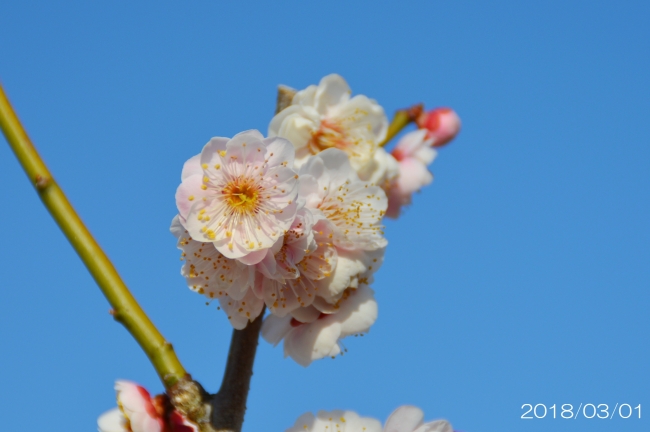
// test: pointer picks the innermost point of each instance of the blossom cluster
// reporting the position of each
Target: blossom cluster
(404, 419)
(293, 221)
(138, 412)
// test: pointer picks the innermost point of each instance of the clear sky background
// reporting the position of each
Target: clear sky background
(521, 275)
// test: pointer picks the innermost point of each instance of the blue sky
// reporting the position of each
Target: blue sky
(519, 276)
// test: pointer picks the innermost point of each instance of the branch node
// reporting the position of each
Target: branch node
(41, 182)
(190, 399)
(116, 315)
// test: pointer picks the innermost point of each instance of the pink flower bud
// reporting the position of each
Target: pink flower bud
(442, 124)
(139, 412)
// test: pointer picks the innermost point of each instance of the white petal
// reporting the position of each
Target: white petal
(364, 115)
(314, 341)
(436, 426)
(305, 423)
(381, 170)
(191, 167)
(111, 421)
(404, 419)
(332, 90)
(361, 311)
(306, 314)
(276, 328)
(306, 96)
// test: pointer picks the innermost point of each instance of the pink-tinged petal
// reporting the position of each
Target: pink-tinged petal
(404, 419)
(189, 193)
(276, 328)
(413, 176)
(249, 197)
(192, 166)
(133, 396)
(137, 407)
(395, 202)
(332, 90)
(253, 257)
(111, 421)
(411, 143)
(436, 426)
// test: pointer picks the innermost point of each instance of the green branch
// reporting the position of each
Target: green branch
(126, 309)
(402, 118)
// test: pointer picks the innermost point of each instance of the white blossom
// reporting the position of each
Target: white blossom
(403, 419)
(324, 116)
(330, 185)
(318, 335)
(239, 194)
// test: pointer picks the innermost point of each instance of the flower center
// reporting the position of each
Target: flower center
(242, 195)
(330, 134)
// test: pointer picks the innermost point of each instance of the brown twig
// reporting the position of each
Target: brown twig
(229, 404)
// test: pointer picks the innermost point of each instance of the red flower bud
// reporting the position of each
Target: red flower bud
(442, 124)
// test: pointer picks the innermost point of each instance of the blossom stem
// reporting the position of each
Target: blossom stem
(229, 404)
(401, 119)
(126, 309)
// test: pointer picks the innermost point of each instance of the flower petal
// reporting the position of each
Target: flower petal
(404, 419)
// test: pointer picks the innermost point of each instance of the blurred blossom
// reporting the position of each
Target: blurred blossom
(413, 154)
(138, 412)
(403, 419)
(442, 125)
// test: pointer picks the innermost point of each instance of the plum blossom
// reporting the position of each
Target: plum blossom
(335, 421)
(311, 334)
(403, 419)
(288, 274)
(411, 419)
(138, 412)
(413, 154)
(324, 116)
(239, 194)
(442, 125)
(208, 272)
(330, 185)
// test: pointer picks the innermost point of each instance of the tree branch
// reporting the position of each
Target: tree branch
(125, 308)
(229, 404)
(402, 118)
